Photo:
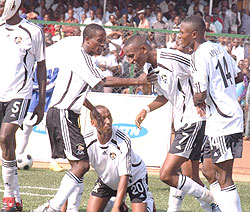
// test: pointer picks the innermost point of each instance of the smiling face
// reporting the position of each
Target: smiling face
(186, 35)
(136, 54)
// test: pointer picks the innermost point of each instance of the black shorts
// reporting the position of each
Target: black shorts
(223, 148)
(14, 111)
(137, 192)
(65, 135)
(188, 141)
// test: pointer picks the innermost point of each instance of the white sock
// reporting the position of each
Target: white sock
(229, 199)
(205, 205)
(150, 202)
(216, 190)
(175, 199)
(24, 138)
(68, 185)
(16, 187)
(194, 189)
(74, 199)
(8, 174)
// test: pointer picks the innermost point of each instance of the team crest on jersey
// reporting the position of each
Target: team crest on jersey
(80, 149)
(18, 40)
(112, 155)
(164, 78)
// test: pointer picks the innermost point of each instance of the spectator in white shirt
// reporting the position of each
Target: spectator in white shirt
(191, 7)
(92, 19)
(164, 5)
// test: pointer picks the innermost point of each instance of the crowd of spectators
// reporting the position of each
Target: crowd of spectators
(227, 17)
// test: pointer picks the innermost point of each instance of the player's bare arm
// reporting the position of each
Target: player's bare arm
(239, 78)
(157, 103)
(121, 191)
(199, 102)
(116, 81)
(94, 112)
(42, 81)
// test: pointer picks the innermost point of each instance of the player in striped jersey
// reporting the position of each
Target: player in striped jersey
(77, 74)
(21, 45)
(118, 168)
(215, 74)
(174, 84)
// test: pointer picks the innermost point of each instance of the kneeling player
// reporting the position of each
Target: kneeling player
(118, 168)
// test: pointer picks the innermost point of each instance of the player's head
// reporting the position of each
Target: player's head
(107, 118)
(94, 37)
(192, 30)
(137, 49)
(8, 8)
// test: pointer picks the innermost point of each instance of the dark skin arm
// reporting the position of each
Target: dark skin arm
(42, 81)
(157, 103)
(95, 113)
(121, 191)
(119, 82)
(199, 102)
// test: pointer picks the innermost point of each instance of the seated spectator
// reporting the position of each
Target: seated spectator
(48, 27)
(77, 8)
(48, 39)
(68, 30)
(99, 14)
(144, 23)
(229, 50)
(238, 49)
(59, 34)
(172, 41)
(235, 19)
(40, 7)
(86, 9)
(110, 11)
(164, 5)
(177, 23)
(92, 19)
(48, 3)
(170, 10)
(211, 25)
(160, 38)
(171, 20)
(112, 22)
(208, 27)
(123, 21)
(245, 26)
(75, 16)
(149, 15)
(59, 4)
(193, 4)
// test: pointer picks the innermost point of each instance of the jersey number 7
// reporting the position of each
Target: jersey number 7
(225, 74)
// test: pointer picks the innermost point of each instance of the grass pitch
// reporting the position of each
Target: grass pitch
(39, 185)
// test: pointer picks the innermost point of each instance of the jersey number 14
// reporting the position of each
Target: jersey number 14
(225, 74)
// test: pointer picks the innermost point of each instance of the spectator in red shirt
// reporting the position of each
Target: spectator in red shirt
(68, 30)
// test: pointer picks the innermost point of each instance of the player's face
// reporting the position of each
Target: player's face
(136, 55)
(186, 35)
(96, 43)
(2, 3)
(107, 118)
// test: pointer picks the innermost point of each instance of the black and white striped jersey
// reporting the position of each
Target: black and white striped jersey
(214, 71)
(175, 83)
(21, 46)
(77, 74)
(114, 159)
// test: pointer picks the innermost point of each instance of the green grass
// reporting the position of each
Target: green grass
(33, 196)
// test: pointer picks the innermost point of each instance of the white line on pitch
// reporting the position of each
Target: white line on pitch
(40, 188)
(31, 194)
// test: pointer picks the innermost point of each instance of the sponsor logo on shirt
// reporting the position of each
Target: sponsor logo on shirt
(132, 130)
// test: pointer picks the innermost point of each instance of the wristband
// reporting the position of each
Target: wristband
(147, 108)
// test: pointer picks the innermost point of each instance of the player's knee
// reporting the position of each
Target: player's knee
(210, 175)
(165, 176)
(5, 141)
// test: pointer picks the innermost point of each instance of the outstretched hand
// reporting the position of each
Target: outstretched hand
(140, 117)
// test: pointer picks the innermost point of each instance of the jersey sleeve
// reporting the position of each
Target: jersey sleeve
(90, 73)
(199, 72)
(124, 167)
(38, 45)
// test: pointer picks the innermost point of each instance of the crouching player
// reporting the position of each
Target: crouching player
(119, 169)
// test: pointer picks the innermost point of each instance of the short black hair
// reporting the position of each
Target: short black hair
(97, 107)
(135, 39)
(196, 23)
(90, 30)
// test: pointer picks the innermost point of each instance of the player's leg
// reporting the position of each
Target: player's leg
(138, 193)
(63, 129)
(179, 152)
(224, 150)
(11, 117)
(96, 204)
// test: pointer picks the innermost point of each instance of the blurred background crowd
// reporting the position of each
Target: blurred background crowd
(223, 16)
